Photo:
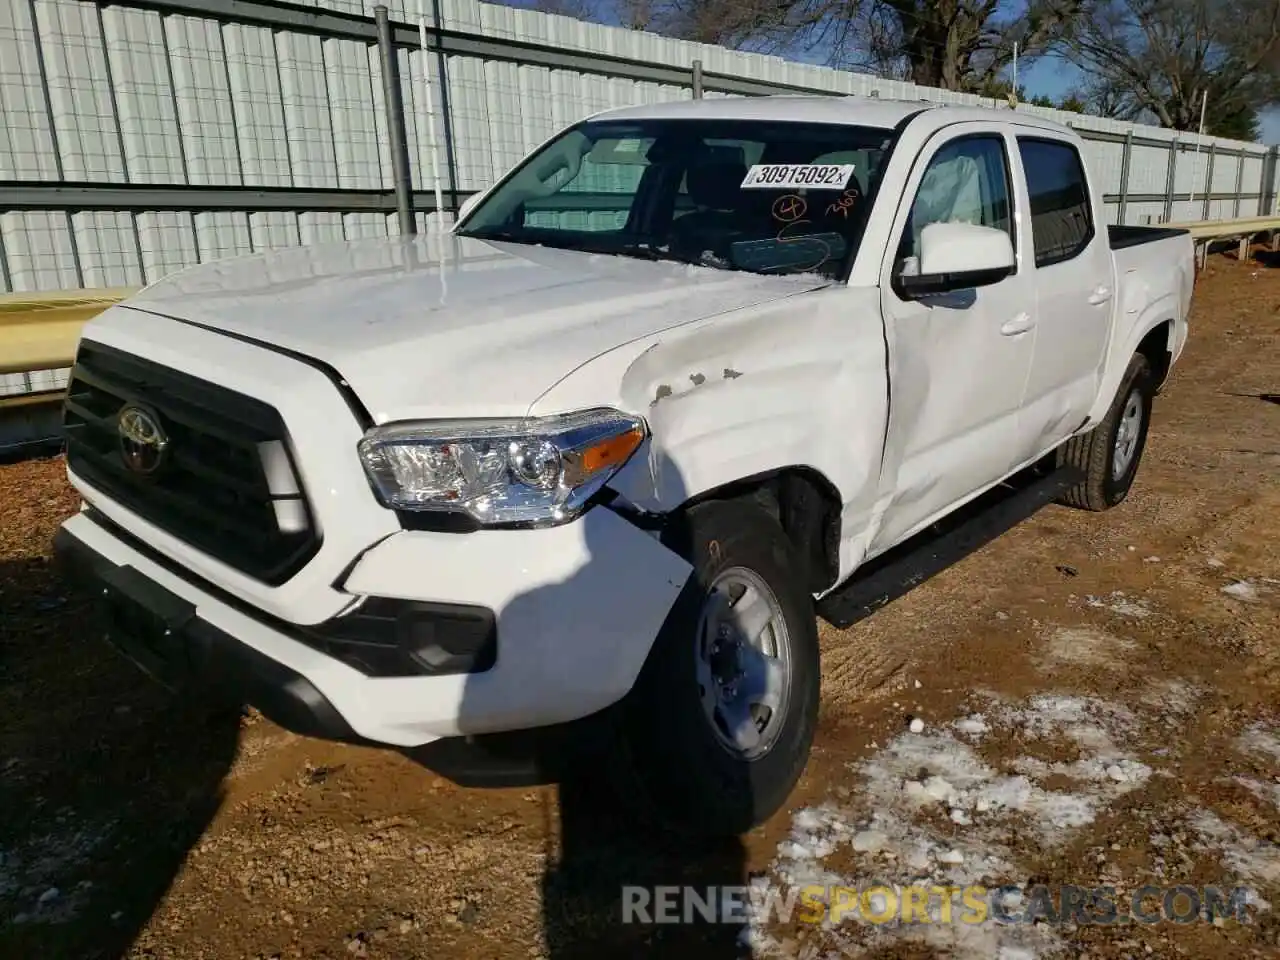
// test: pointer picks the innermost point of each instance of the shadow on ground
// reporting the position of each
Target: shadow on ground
(601, 853)
(106, 780)
(611, 861)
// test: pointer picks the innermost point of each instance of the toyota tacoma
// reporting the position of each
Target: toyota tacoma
(595, 456)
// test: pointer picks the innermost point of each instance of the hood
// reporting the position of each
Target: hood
(449, 326)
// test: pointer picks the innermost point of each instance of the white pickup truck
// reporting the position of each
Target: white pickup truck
(593, 459)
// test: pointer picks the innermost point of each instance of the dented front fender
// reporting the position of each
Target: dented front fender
(796, 383)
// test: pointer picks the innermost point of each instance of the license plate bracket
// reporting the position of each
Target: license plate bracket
(147, 622)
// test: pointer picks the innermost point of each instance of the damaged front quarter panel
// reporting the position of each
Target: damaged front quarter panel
(800, 382)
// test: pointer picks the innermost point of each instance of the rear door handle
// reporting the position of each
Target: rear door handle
(1100, 295)
(1019, 324)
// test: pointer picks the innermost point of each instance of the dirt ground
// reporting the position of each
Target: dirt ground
(1099, 698)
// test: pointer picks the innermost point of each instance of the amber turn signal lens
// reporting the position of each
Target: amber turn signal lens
(610, 452)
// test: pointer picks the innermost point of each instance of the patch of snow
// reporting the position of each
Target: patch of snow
(869, 841)
(1086, 645)
(921, 786)
(917, 725)
(1244, 590)
(1258, 739)
(1251, 858)
(1172, 696)
(1263, 791)
(1121, 605)
(974, 725)
(1086, 720)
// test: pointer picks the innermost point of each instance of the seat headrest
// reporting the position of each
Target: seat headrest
(716, 184)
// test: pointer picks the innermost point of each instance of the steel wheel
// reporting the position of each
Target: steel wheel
(1128, 432)
(743, 662)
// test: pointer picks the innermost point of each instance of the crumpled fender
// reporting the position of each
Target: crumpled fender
(796, 383)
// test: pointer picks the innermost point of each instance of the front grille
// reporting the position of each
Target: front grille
(225, 484)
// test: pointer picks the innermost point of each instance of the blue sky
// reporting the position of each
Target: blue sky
(1052, 77)
(1048, 76)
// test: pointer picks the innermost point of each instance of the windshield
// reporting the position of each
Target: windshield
(761, 196)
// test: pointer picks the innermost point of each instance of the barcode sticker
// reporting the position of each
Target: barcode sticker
(815, 176)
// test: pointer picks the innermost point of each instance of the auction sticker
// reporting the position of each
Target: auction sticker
(780, 176)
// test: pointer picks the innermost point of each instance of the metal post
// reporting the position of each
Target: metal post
(1208, 180)
(697, 79)
(1275, 155)
(431, 116)
(1169, 180)
(1125, 160)
(1235, 213)
(1264, 183)
(394, 103)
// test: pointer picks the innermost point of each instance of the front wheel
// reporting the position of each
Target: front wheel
(719, 726)
(1109, 454)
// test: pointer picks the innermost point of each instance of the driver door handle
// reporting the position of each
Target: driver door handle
(1019, 324)
(1101, 294)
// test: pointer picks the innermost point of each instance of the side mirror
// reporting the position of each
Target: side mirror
(958, 256)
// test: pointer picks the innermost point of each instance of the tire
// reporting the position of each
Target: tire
(672, 766)
(1096, 451)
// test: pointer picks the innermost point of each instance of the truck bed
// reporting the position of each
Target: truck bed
(1122, 237)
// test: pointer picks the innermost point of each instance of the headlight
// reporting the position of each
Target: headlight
(538, 470)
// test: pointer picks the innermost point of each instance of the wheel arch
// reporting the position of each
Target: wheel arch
(1152, 336)
(802, 499)
(1157, 346)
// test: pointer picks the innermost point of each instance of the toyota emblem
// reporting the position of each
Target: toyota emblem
(142, 439)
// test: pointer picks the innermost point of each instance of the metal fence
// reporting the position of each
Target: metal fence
(143, 136)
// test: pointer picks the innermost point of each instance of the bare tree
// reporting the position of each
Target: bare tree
(954, 44)
(958, 44)
(578, 9)
(1162, 57)
(741, 24)
(636, 14)
(763, 25)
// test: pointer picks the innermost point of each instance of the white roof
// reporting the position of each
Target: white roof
(865, 111)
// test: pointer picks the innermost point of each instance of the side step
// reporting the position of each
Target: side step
(894, 573)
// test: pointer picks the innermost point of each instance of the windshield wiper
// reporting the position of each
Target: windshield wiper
(507, 236)
(641, 249)
(650, 251)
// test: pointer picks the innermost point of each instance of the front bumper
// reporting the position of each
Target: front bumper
(576, 609)
(162, 633)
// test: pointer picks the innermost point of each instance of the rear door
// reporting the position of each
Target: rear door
(958, 362)
(1074, 286)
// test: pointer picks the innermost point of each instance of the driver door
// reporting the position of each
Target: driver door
(958, 361)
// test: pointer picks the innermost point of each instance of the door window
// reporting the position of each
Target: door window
(967, 181)
(1061, 221)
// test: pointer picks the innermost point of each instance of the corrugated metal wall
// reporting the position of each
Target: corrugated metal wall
(200, 100)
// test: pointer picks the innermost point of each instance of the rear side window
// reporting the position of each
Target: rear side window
(1061, 220)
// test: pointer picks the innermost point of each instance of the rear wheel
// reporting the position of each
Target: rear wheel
(1109, 454)
(718, 728)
